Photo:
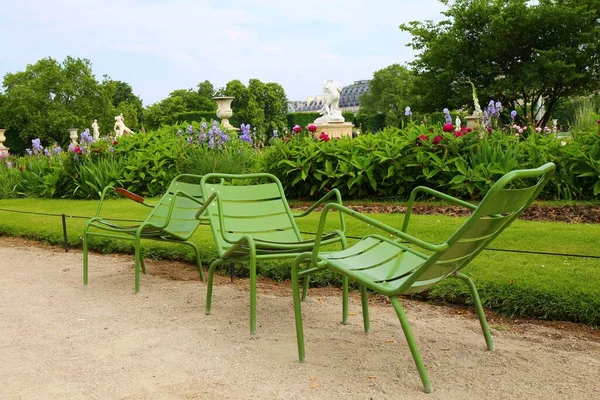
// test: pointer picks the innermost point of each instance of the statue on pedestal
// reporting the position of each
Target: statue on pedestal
(120, 128)
(331, 103)
(96, 130)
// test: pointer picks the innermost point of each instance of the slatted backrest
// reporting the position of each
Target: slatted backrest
(497, 210)
(183, 221)
(253, 205)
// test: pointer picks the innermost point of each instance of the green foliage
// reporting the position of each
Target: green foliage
(48, 98)
(233, 159)
(150, 160)
(516, 52)
(175, 108)
(390, 92)
(262, 105)
(392, 162)
(95, 173)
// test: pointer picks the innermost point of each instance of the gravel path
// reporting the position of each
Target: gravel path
(60, 339)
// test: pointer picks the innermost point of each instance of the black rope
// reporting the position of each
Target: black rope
(499, 250)
(66, 215)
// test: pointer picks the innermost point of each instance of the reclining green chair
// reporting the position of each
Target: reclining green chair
(391, 268)
(173, 219)
(251, 220)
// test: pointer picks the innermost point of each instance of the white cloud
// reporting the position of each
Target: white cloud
(182, 42)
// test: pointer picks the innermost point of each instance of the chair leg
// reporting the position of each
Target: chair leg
(138, 261)
(142, 263)
(345, 300)
(305, 282)
(85, 258)
(252, 294)
(209, 285)
(198, 263)
(482, 320)
(298, 307)
(412, 344)
(365, 308)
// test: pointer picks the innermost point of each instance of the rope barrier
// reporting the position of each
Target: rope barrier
(66, 246)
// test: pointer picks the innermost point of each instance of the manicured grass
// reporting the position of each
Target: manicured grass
(551, 287)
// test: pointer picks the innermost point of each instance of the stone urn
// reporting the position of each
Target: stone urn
(224, 111)
(3, 150)
(73, 135)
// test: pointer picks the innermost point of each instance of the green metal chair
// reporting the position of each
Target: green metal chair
(173, 219)
(251, 220)
(390, 267)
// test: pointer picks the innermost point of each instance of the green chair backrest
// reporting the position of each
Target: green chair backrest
(183, 221)
(498, 209)
(251, 204)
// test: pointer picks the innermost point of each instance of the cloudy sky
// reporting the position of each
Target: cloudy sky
(161, 45)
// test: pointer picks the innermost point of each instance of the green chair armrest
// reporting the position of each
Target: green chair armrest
(372, 222)
(433, 192)
(338, 200)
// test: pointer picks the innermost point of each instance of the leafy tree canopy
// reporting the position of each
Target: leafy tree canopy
(168, 111)
(390, 92)
(518, 52)
(49, 97)
(262, 105)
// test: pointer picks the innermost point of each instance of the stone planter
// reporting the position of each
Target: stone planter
(224, 111)
(73, 135)
(3, 150)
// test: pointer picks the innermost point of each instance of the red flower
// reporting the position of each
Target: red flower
(312, 128)
(421, 138)
(324, 137)
(437, 139)
(467, 130)
(77, 149)
(115, 143)
(448, 127)
(21, 168)
(490, 129)
(297, 128)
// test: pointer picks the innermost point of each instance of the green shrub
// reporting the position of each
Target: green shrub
(392, 162)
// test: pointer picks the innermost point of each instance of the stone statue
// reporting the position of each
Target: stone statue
(331, 103)
(120, 128)
(96, 130)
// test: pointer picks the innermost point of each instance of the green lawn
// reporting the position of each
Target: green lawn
(552, 287)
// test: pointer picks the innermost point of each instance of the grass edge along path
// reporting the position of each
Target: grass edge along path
(529, 285)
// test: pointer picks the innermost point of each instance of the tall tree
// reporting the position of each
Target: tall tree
(517, 51)
(262, 105)
(390, 92)
(48, 98)
(121, 92)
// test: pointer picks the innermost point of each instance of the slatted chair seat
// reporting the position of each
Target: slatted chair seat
(395, 267)
(251, 220)
(173, 219)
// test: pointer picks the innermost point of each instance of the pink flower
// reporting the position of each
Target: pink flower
(312, 128)
(437, 139)
(517, 134)
(324, 137)
(448, 127)
(520, 130)
(538, 129)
